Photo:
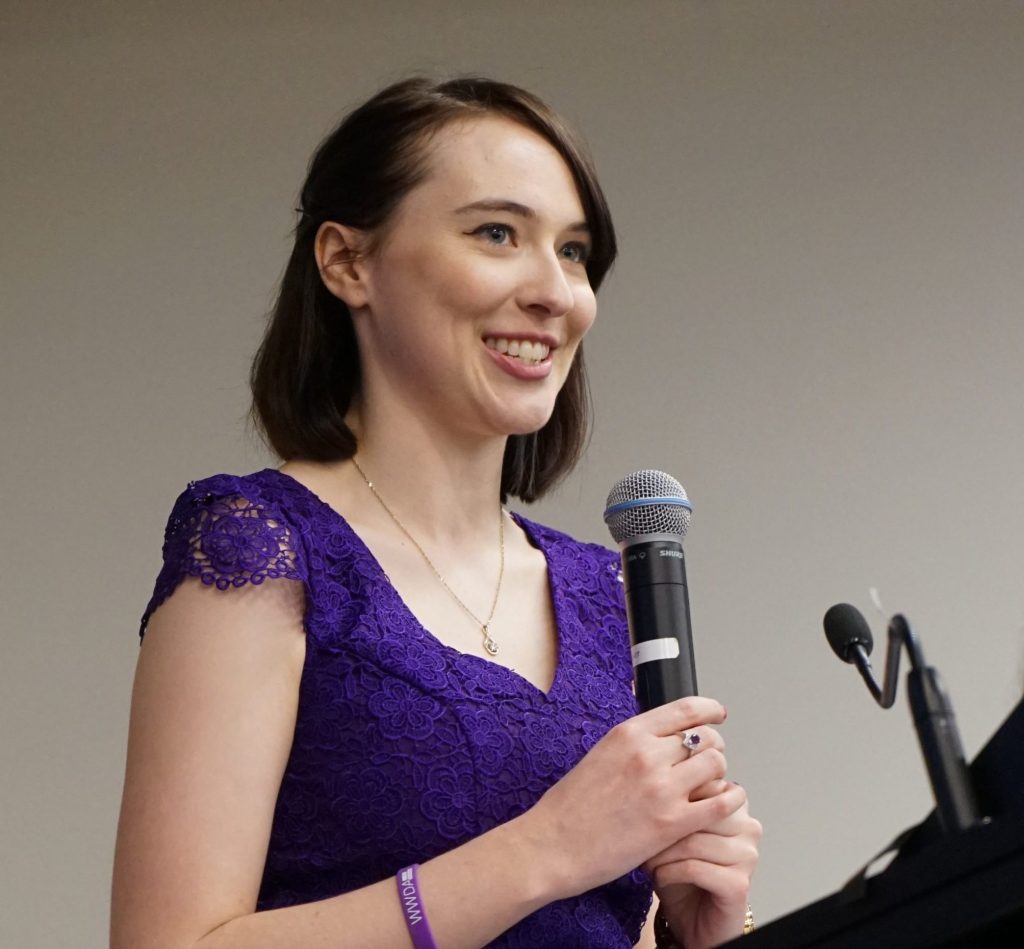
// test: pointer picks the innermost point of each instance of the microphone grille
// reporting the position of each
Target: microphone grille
(647, 502)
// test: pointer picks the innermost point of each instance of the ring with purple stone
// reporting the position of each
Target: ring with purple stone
(691, 741)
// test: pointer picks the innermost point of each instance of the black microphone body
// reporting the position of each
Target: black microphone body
(648, 514)
(658, 608)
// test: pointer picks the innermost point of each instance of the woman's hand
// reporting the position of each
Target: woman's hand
(703, 879)
(638, 790)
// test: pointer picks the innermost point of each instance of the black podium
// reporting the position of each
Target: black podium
(942, 891)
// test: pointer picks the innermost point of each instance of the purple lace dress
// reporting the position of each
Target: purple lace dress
(405, 748)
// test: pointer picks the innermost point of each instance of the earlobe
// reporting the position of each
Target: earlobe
(340, 261)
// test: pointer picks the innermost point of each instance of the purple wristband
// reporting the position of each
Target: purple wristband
(412, 906)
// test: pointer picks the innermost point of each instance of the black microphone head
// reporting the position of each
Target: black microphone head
(845, 627)
(647, 502)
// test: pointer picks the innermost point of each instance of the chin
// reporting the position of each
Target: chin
(528, 427)
(520, 413)
(529, 415)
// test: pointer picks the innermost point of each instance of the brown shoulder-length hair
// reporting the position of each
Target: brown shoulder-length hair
(307, 371)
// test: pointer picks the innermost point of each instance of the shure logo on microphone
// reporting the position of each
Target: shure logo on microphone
(678, 554)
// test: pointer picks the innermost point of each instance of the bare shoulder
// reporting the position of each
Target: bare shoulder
(213, 714)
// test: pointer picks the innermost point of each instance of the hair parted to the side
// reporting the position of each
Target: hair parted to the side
(307, 370)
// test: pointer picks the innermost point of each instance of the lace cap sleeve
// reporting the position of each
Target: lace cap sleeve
(227, 535)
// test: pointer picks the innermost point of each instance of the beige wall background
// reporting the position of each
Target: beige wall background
(816, 324)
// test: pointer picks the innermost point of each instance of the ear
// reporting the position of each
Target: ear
(339, 258)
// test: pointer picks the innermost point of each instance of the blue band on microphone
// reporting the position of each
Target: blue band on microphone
(646, 502)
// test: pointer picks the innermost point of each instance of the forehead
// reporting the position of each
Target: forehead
(494, 157)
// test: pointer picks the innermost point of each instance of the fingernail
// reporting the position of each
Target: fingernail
(725, 713)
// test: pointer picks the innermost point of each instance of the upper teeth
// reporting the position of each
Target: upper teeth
(521, 348)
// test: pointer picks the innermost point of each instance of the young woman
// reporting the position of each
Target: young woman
(372, 707)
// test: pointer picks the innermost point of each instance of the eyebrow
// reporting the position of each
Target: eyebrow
(514, 207)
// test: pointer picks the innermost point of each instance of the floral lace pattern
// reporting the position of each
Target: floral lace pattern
(404, 747)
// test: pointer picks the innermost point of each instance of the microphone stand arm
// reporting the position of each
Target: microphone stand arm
(897, 636)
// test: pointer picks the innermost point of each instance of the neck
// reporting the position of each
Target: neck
(440, 486)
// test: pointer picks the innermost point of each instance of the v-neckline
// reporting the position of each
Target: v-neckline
(527, 526)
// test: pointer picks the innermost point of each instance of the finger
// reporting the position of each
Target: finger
(728, 885)
(674, 717)
(739, 851)
(739, 821)
(710, 789)
(710, 811)
(698, 770)
(737, 824)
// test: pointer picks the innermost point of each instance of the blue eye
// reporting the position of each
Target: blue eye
(576, 252)
(496, 233)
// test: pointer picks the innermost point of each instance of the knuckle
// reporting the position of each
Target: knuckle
(709, 738)
(641, 759)
(619, 737)
(617, 731)
(689, 708)
(721, 806)
(715, 761)
(664, 823)
(626, 732)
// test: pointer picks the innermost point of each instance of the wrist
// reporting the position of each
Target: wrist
(548, 864)
(508, 869)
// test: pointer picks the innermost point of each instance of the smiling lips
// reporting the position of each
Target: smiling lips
(526, 352)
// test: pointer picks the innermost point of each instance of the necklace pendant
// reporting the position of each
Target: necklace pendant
(489, 644)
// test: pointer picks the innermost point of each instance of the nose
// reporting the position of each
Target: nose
(545, 288)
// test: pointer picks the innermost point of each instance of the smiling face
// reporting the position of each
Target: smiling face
(475, 298)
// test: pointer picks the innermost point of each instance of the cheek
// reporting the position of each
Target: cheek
(470, 291)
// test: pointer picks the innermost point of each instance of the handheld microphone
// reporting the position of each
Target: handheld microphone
(648, 513)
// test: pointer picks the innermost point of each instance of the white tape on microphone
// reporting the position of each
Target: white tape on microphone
(651, 650)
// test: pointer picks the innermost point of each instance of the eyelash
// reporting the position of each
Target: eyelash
(582, 250)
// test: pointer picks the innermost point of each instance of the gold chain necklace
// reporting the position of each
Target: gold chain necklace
(489, 644)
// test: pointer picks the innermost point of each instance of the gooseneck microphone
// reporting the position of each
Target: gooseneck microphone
(850, 638)
(648, 513)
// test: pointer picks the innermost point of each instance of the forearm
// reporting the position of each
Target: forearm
(470, 894)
